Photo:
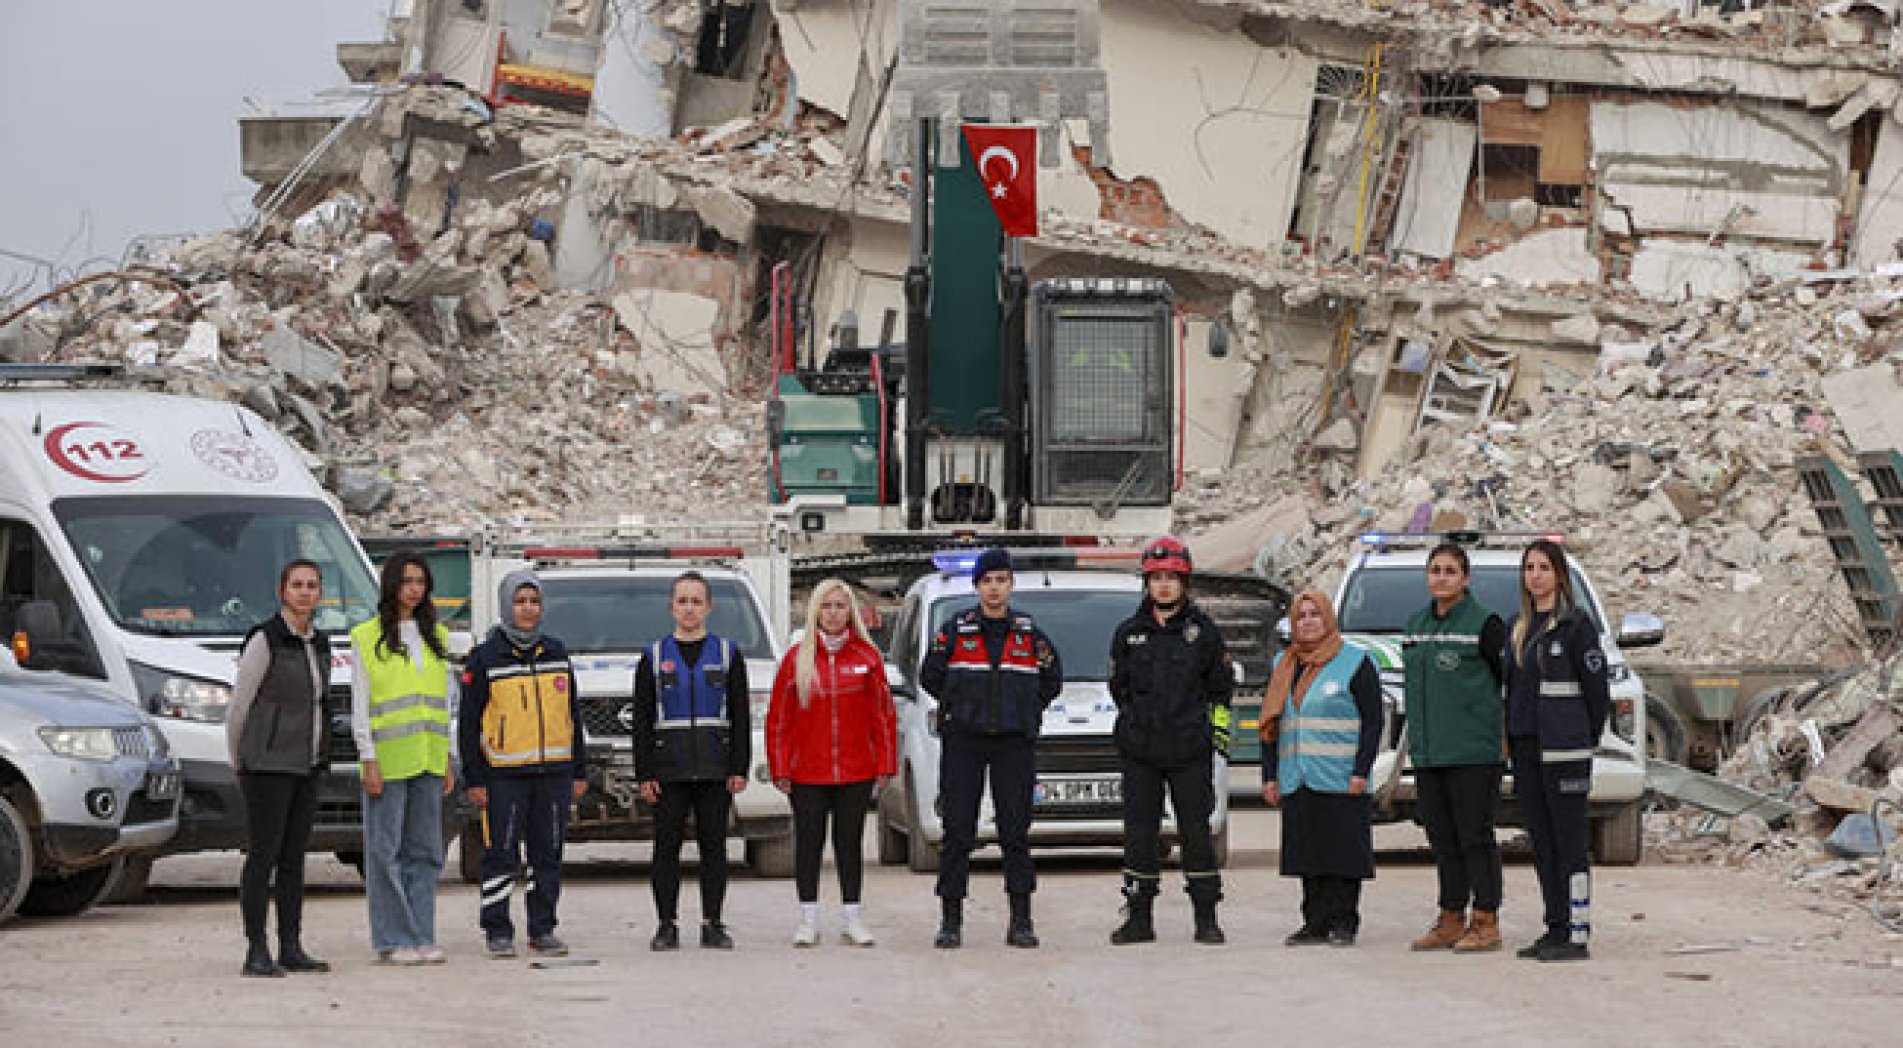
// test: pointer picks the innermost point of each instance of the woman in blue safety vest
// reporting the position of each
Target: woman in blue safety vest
(692, 748)
(1322, 713)
(403, 692)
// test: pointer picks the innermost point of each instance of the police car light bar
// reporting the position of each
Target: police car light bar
(1037, 558)
(1476, 539)
(632, 552)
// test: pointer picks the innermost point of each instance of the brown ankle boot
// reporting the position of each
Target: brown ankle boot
(1446, 931)
(1483, 933)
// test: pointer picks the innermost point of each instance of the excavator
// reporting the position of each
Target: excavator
(1052, 408)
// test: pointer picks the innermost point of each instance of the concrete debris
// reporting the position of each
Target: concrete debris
(1833, 748)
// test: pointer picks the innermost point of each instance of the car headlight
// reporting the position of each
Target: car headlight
(186, 698)
(84, 744)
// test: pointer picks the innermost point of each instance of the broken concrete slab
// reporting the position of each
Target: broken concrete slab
(1868, 403)
(300, 358)
(676, 333)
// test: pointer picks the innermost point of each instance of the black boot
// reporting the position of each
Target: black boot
(292, 958)
(1138, 923)
(258, 963)
(1019, 933)
(951, 924)
(1204, 893)
(1208, 932)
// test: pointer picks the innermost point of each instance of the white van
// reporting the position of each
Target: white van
(141, 535)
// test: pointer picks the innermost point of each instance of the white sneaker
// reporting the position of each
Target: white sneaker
(857, 934)
(406, 956)
(807, 934)
(431, 955)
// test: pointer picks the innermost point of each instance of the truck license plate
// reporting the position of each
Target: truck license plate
(161, 785)
(1078, 791)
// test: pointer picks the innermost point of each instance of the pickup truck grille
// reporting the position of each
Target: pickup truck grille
(601, 717)
(1072, 754)
(132, 742)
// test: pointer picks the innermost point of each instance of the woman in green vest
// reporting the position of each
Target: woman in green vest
(404, 691)
(1456, 744)
(1322, 712)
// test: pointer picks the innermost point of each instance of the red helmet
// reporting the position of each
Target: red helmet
(1166, 554)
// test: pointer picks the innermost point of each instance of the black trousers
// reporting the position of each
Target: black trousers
(531, 811)
(1192, 791)
(1331, 904)
(964, 761)
(278, 809)
(1553, 804)
(846, 804)
(1458, 807)
(709, 803)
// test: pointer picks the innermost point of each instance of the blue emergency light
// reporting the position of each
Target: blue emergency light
(956, 561)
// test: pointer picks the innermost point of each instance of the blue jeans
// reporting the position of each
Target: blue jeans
(402, 858)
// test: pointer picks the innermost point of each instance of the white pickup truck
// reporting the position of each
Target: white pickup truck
(607, 604)
(1386, 584)
(1078, 799)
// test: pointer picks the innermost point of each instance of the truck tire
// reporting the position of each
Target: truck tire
(1664, 732)
(892, 842)
(921, 855)
(16, 860)
(469, 852)
(771, 856)
(73, 893)
(1618, 838)
(129, 890)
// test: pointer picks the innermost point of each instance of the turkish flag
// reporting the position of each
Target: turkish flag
(1007, 164)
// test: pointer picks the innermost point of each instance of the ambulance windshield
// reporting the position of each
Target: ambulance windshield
(207, 566)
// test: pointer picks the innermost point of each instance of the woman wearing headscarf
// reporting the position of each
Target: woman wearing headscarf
(1321, 723)
(524, 762)
(1557, 704)
(831, 734)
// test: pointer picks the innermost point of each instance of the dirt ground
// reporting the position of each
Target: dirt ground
(1795, 969)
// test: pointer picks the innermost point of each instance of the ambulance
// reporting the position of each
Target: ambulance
(141, 536)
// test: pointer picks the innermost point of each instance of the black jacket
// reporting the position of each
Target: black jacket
(992, 676)
(708, 751)
(1164, 678)
(289, 706)
(1557, 687)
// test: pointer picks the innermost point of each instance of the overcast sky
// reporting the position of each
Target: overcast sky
(119, 118)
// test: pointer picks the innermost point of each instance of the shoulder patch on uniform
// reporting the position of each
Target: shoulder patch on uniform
(1595, 661)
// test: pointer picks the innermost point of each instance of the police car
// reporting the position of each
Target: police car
(1384, 586)
(1078, 800)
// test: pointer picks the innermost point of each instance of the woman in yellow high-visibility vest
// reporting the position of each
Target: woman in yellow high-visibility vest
(404, 697)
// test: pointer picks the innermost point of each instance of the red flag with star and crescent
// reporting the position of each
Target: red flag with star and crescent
(1006, 156)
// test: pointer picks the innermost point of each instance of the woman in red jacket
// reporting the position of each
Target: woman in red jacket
(830, 733)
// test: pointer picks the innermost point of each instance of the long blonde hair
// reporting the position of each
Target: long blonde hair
(1556, 556)
(805, 666)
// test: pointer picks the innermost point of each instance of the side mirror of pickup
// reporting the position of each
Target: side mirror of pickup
(1641, 630)
(1282, 630)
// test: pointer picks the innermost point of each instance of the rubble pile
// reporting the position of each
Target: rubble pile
(1670, 470)
(435, 384)
(1831, 749)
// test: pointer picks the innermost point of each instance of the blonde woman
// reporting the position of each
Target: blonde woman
(830, 734)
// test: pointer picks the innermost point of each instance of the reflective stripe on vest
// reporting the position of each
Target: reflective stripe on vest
(1321, 736)
(680, 705)
(409, 706)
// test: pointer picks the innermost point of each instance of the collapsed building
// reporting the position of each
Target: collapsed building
(1399, 238)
